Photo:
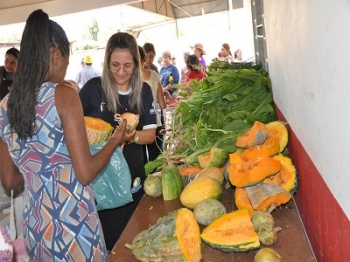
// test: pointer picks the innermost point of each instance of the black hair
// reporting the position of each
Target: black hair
(142, 53)
(192, 63)
(13, 51)
(32, 70)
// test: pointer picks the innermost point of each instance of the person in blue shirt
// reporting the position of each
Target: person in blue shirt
(169, 74)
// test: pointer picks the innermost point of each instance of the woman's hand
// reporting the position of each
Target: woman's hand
(71, 84)
(119, 134)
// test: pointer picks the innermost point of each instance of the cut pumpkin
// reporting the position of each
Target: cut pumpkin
(278, 129)
(263, 195)
(232, 232)
(97, 130)
(286, 177)
(256, 135)
(247, 172)
(242, 200)
(175, 236)
(270, 147)
(216, 157)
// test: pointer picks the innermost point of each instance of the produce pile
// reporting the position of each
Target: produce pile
(214, 112)
(224, 134)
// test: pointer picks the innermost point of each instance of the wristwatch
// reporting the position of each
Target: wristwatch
(136, 137)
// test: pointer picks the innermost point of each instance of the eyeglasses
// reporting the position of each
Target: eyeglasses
(127, 68)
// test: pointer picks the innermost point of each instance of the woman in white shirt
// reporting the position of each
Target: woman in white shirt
(225, 53)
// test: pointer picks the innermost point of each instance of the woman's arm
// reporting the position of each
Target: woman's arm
(160, 96)
(86, 166)
(144, 137)
(10, 176)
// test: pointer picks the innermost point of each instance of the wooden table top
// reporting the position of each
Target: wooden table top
(292, 243)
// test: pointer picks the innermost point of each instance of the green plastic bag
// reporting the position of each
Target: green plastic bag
(112, 187)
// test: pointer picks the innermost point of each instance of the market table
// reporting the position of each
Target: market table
(292, 243)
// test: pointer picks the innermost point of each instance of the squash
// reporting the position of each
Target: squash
(263, 223)
(244, 172)
(212, 171)
(256, 135)
(268, 236)
(267, 254)
(200, 189)
(263, 195)
(242, 200)
(132, 120)
(286, 177)
(216, 157)
(97, 130)
(270, 147)
(278, 129)
(171, 182)
(175, 237)
(188, 170)
(208, 210)
(188, 173)
(153, 185)
(262, 220)
(232, 232)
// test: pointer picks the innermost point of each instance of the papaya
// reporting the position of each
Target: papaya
(212, 171)
(200, 189)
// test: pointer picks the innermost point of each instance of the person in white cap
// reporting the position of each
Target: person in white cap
(199, 52)
(86, 73)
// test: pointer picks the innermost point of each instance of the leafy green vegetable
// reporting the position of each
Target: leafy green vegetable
(217, 110)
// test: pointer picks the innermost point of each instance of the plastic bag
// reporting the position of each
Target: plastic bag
(112, 187)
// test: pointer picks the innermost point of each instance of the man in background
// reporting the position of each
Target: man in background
(8, 71)
(87, 72)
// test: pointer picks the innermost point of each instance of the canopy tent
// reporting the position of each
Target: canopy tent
(17, 11)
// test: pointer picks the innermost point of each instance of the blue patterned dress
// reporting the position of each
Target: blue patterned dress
(60, 218)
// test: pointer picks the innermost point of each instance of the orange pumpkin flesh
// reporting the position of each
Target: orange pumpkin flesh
(247, 172)
(263, 195)
(269, 148)
(242, 200)
(97, 130)
(278, 129)
(256, 135)
(286, 177)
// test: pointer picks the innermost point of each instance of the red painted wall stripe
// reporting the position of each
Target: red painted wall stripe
(326, 224)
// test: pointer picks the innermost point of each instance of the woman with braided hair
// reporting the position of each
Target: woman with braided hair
(44, 149)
